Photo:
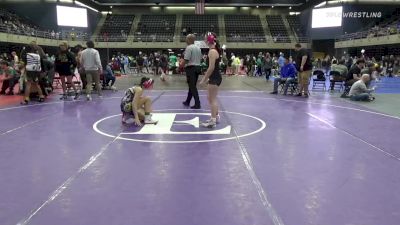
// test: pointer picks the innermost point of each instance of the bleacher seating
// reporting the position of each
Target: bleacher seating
(156, 28)
(244, 28)
(116, 28)
(199, 25)
(12, 23)
(294, 23)
(278, 29)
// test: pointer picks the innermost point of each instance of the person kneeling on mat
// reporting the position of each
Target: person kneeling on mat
(359, 91)
(135, 107)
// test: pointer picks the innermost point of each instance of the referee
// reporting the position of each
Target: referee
(192, 67)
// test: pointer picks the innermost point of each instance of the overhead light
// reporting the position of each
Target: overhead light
(272, 6)
(320, 4)
(83, 5)
(180, 7)
(257, 7)
(290, 7)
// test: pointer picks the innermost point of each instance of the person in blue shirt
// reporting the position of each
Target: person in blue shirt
(108, 76)
(288, 75)
(281, 60)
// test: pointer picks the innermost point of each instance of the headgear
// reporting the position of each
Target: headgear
(148, 83)
(211, 38)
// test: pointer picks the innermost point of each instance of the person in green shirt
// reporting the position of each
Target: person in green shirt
(259, 64)
(9, 79)
(172, 62)
(342, 71)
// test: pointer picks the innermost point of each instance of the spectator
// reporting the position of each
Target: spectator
(108, 76)
(288, 76)
(15, 59)
(359, 91)
(90, 60)
(355, 72)
(10, 78)
(353, 75)
(65, 64)
(267, 66)
(304, 66)
(281, 60)
(33, 68)
(342, 71)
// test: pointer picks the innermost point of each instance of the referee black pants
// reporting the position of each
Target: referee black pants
(192, 75)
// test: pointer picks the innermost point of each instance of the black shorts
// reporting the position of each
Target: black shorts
(32, 76)
(215, 81)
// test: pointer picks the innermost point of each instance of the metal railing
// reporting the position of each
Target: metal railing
(40, 34)
(381, 32)
(138, 38)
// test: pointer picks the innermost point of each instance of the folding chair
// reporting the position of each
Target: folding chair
(334, 81)
(293, 86)
(78, 85)
(57, 81)
(319, 78)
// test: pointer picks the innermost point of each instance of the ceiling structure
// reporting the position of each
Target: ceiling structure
(300, 4)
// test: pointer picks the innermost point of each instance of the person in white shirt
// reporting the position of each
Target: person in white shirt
(90, 61)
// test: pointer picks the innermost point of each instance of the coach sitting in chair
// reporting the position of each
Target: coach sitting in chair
(288, 76)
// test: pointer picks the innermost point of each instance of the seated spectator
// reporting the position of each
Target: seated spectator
(108, 76)
(371, 70)
(353, 75)
(359, 91)
(288, 76)
(396, 67)
(10, 78)
(341, 69)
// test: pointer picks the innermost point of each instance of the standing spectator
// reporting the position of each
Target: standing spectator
(281, 60)
(90, 60)
(65, 64)
(108, 76)
(192, 67)
(304, 66)
(126, 63)
(15, 59)
(140, 62)
(81, 70)
(259, 64)
(268, 66)
(146, 62)
(122, 63)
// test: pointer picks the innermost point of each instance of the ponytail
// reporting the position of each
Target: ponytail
(218, 47)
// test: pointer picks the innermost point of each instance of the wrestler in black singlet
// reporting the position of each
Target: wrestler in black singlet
(215, 77)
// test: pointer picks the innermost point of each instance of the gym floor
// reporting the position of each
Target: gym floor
(273, 160)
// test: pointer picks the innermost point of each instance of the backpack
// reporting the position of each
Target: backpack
(33, 62)
(126, 101)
